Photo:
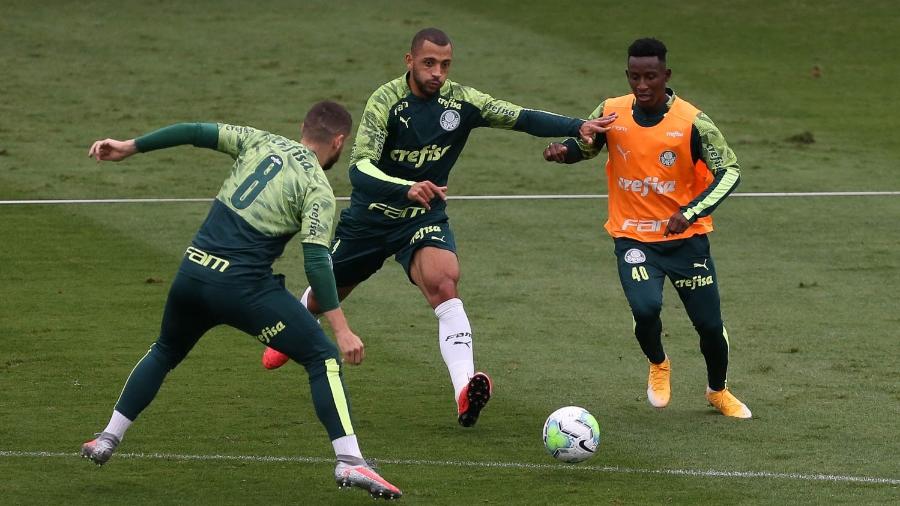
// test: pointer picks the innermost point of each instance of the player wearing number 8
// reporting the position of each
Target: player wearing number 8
(277, 189)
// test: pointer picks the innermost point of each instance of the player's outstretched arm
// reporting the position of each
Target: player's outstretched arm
(204, 135)
(112, 150)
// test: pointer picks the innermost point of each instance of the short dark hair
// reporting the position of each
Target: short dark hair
(430, 34)
(648, 47)
(325, 120)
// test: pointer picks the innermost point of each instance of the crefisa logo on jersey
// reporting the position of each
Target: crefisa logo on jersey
(667, 158)
(449, 120)
(635, 256)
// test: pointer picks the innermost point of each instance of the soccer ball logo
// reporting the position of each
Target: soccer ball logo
(571, 434)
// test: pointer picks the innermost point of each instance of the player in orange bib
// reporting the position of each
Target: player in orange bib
(668, 168)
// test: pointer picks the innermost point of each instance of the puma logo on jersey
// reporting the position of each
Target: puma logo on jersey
(702, 265)
(405, 121)
(623, 152)
(441, 238)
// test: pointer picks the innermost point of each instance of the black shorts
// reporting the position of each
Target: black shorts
(360, 249)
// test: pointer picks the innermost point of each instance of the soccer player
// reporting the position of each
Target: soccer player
(412, 131)
(668, 168)
(277, 189)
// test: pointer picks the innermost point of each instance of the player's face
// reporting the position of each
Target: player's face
(428, 68)
(648, 76)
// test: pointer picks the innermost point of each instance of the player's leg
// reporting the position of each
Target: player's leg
(275, 317)
(185, 320)
(642, 281)
(695, 280)
(354, 259)
(428, 256)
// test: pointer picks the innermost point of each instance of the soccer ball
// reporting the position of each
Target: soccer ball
(571, 434)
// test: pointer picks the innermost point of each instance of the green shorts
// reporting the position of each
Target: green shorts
(265, 309)
(687, 263)
(360, 249)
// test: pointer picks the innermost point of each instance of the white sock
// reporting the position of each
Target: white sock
(347, 445)
(118, 424)
(304, 299)
(455, 338)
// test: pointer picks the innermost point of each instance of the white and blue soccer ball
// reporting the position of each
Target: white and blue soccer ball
(571, 434)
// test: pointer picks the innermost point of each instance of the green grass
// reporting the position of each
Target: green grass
(807, 284)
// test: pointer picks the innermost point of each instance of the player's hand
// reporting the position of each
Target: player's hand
(677, 224)
(112, 150)
(353, 350)
(424, 192)
(556, 152)
(596, 126)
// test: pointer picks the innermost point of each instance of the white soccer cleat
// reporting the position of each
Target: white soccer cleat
(101, 448)
(356, 472)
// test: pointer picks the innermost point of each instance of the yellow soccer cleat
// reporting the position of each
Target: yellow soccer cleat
(727, 403)
(659, 389)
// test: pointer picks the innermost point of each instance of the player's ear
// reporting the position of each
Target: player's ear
(409, 61)
(338, 142)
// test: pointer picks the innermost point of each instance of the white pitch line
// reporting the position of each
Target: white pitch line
(451, 197)
(504, 465)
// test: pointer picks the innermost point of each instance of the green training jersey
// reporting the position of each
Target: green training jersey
(276, 190)
(403, 139)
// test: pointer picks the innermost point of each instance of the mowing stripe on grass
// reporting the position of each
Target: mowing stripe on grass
(709, 473)
(451, 197)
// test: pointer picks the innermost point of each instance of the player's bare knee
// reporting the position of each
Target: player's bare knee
(440, 290)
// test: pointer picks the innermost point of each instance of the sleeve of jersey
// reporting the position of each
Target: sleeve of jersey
(370, 137)
(317, 264)
(233, 138)
(203, 135)
(546, 124)
(502, 114)
(366, 176)
(723, 164)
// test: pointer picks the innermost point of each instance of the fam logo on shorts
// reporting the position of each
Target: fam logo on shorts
(667, 158)
(449, 120)
(635, 256)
